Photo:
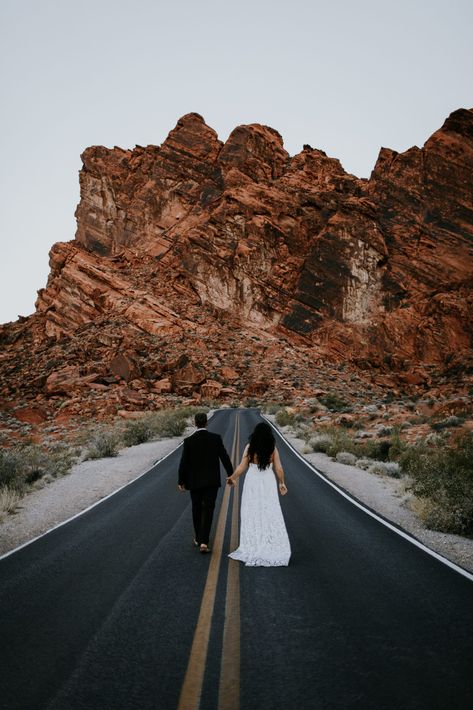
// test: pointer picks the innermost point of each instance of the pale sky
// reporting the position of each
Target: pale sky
(346, 76)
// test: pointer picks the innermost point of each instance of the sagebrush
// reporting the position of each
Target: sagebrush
(442, 475)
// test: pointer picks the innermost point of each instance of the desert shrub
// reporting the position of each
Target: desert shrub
(419, 419)
(271, 407)
(358, 424)
(438, 517)
(8, 467)
(170, 422)
(313, 404)
(365, 463)
(252, 402)
(336, 439)
(331, 441)
(333, 401)
(346, 458)
(61, 457)
(320, 442)
(27, 463)
(32, 464)
(397, 447)
(172, 425)
(103, 444)
(385, 468)
(137, 432)
(451, 421)
(435, 438)
(173, 422)
(443, 476)
(285, 418)
(375, 449)
(362, 434)
(341, 441)
(302, 428)
(384, 431)
(371, 411)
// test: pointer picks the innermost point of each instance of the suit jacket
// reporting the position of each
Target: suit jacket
(200, 460)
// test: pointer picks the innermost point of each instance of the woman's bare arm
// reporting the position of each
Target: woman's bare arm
(279, 472)
(241, 468)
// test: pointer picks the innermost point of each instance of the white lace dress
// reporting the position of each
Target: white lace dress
(263, 537)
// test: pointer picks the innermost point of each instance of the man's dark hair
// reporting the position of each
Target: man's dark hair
(200, 419)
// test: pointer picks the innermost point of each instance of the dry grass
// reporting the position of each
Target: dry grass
(103, 444)
(9, 501)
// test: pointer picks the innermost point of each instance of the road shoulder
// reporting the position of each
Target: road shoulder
(85, 484)
(386, 496)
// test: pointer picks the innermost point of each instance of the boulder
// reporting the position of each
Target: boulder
(31, 415)
(124, 365)
(163, 385)
(210, 389)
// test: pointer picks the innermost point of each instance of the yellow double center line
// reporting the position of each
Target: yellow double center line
(229, 689)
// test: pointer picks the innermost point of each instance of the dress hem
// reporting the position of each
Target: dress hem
(258, 561)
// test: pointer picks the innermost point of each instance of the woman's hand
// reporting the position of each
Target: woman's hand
(282, 489)
(230, 481)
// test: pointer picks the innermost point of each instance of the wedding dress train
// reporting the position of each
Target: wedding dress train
(263, 536)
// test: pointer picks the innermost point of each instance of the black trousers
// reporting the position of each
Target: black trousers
(203, 504)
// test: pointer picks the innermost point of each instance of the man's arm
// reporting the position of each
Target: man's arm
(224, 457)
(183, 465)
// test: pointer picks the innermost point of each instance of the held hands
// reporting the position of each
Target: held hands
(182, 488)
(230, 481)
(282, 489)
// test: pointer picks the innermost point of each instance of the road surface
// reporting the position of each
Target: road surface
(116, 610)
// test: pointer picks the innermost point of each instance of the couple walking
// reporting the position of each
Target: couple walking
(263, 537)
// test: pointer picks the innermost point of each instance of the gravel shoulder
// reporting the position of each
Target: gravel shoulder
(386, 496)
(85, 484)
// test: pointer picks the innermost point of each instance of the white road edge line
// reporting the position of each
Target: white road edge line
(395, 529)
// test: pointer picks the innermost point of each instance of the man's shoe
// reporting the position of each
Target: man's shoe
(204, 549)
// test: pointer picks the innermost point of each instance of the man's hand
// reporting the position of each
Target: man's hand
(230, 481)
(181, 488)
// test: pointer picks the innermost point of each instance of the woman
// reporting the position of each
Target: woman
(263, 537)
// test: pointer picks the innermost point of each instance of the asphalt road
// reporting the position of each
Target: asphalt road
(100, 613)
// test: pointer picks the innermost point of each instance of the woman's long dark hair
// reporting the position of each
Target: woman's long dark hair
(261, 445)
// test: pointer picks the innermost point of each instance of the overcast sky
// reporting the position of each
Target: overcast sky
(346, 76)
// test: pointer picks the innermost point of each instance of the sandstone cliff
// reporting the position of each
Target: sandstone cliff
(225, 270)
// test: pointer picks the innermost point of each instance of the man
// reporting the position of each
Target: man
(199, 472)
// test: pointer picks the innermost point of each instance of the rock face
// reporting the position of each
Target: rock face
(203, 268)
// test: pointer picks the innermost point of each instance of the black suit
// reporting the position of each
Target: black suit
(199, 472)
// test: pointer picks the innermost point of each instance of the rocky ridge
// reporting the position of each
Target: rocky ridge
(204, 270)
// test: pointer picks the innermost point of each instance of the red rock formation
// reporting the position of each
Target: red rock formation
(223, 270)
